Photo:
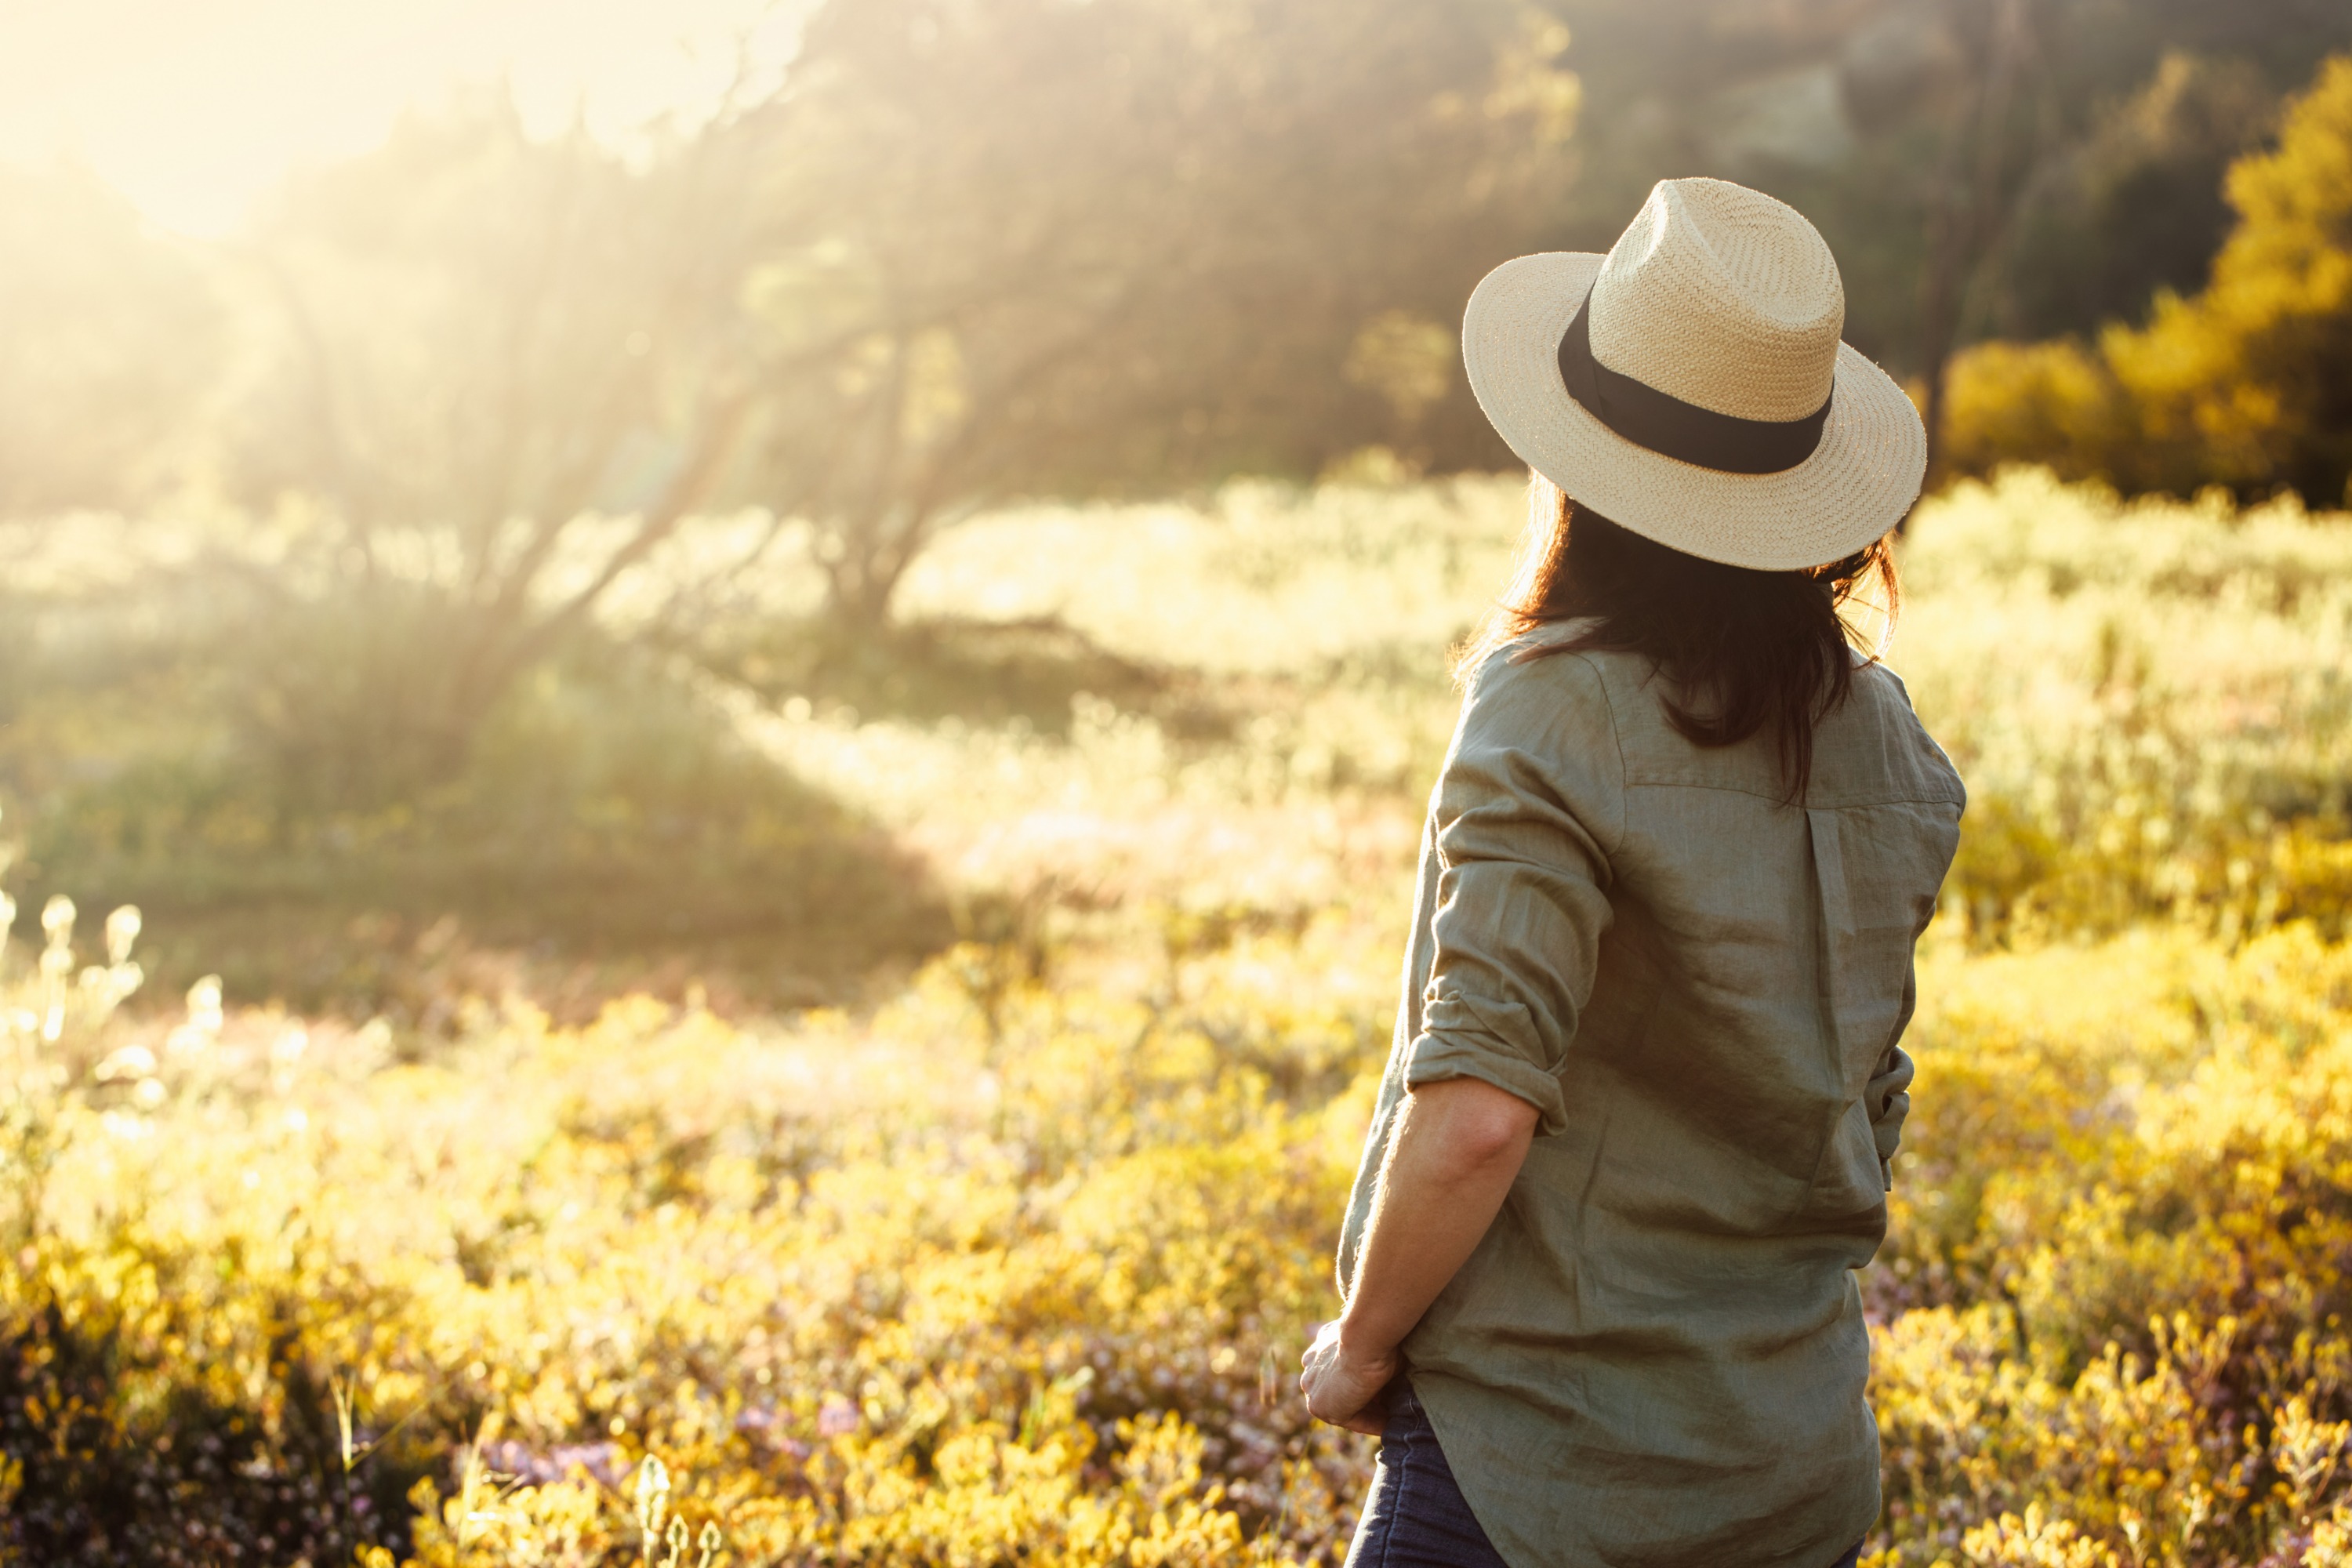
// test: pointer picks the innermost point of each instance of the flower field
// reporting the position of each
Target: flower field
(1016, 1264)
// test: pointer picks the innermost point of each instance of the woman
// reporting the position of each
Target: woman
(1635, 1130)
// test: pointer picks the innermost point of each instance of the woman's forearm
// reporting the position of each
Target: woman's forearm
(1458, 1147)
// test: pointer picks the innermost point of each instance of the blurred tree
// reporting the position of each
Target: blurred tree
(1069, 248)
(2247, 384)
(500, 373)
(1993, 141)
(968, 251)
(2143, 105)
(113, 337)
(2136, 207)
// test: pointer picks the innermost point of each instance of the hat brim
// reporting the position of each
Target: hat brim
(1856, 485)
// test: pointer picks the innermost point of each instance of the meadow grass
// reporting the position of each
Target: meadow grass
(1017, 1265)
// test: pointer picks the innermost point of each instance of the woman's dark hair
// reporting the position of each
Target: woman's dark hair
(1741, 650)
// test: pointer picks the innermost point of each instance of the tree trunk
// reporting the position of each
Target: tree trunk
(1966, 224)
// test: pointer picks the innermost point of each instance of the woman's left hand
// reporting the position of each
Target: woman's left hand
(1345, 1389)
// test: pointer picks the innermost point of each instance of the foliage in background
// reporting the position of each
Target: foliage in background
(888, 257)
(2135, 208)
(498, 374)
(1061, 250)
(473, 408)
(117, 347)
(2243, 384)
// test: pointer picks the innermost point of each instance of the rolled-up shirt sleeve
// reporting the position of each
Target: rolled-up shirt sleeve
(1529, 802)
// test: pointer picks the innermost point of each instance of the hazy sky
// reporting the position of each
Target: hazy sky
(194, 107)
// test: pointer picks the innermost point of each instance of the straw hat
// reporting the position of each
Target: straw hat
(1690, 385)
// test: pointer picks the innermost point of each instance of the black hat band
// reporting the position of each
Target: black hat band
(1672, 429)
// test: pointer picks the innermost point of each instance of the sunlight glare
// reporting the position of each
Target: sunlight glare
(195, 107)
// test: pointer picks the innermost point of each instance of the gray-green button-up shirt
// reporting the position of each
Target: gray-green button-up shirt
(1656, 1356)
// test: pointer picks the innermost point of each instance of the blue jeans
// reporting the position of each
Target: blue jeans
(1416, 1515)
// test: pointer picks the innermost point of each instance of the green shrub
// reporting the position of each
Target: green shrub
(2242, 384)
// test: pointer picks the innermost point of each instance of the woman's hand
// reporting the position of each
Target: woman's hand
(1344, 1388)
(1455, 1151)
